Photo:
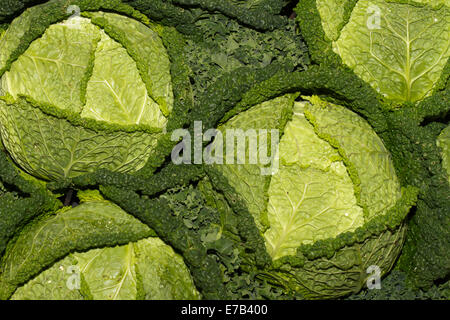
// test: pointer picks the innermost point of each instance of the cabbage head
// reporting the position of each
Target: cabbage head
(84, 92)
(400, 48)
(332, 213)
(93, 251)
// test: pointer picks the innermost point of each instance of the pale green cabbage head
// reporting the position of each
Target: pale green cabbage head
(333, 207)
(91, 92)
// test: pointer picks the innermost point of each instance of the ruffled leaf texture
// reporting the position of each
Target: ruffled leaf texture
(90, 242)
(335, 177)
(400, 49)
(89, 93)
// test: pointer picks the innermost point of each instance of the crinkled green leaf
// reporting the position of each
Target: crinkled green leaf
(52, 69)
(434, 2)
(223, 46)
(395, 286)
(163, 273)
(52, 148)
(311, 197)
(444, 143)
(146, 47)
(247, 179)
(10, 40)
(346, 271)
(115, 92)
(399, 49)
(52, 284)
(41, 244)
(332, 13)
(109, 272)
(379, 188)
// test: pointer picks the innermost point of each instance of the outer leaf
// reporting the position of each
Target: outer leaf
(10, 40)
(247, 179)
(263, 16)
(367, 159)
(345, 272)
(18, 208)
(146, 48)
(50, 284)
(334, 15)
(119, 96)
(425, 256)
(109, 272)
(13, 6)
(52, 148)
(312, 196)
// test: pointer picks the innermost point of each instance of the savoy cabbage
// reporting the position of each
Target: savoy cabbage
(89, 101)
(333, 208)
(90, 92)
(120, 270)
